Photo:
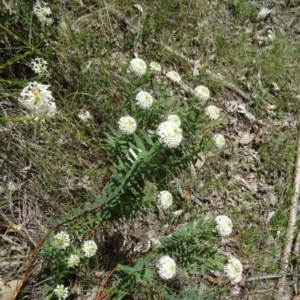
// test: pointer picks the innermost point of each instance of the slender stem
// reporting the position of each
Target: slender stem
(292, 223)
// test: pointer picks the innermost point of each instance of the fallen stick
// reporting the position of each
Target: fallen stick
(292, 223)
(266, 277)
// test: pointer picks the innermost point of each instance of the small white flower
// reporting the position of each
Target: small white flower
(138, 67)
(155, 67)
(62, 240)
(233, 269)
(84, 115)
(73, 261)
(175, 119)
(166, 267)
(61, 292)
(202, 92)
(165, 199)
(224, 225)
(127, 125)
(42, 11)
(133, 154)
(89, 248)
(212, 112)
(174, 76)
(170, 134)
(38, 100)
(39, 66)
(219, 140)
(144, 100)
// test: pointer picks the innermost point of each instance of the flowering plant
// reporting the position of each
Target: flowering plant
(38, 100)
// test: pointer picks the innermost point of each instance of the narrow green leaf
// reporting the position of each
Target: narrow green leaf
(147, 137)
(139, 142)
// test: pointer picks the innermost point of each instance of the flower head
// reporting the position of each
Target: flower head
(38, 100)
(84, 115)
(165, 199)
(166, 267)
(89, 248)
(174, 76)
(233, 269)
(61, 292)
(202, 92)
(62, 240)
(212, 112)
(138, 67)
(170, 134)
(175, 119)
(219, 140)
(42, 11)
(39, 66)
(155, 67)
(144, 100)
(224, 225)
(127, 125)
(73, 261)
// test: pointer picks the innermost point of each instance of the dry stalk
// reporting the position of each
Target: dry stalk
(291, 225)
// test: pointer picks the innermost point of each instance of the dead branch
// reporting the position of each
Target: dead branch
(292, 223)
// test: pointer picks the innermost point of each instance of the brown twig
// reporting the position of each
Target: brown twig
(99, 297)
(291, 225)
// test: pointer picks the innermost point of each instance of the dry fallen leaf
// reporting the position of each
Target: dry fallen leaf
(7, 290)
(215, 280)
(247, 138)
(199, 163)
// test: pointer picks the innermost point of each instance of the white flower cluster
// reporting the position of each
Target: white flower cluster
(175, 119)
(219, 140)
(73, 261)
(38, 100)
(166, 267)
(170, 134)
(212, 112)
(174, 76)
(43, 11)
(62, 240)
(89, 248)
(202, 92)
(127, 125)
(155, 67)
(144, 100)
(233, 269)
(138, 67)
(165, 199)
(224, 225)
(133, 154)
(84, 115)
(39, 66)
(61, 292)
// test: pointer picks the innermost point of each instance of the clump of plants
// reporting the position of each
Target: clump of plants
(158, 135)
